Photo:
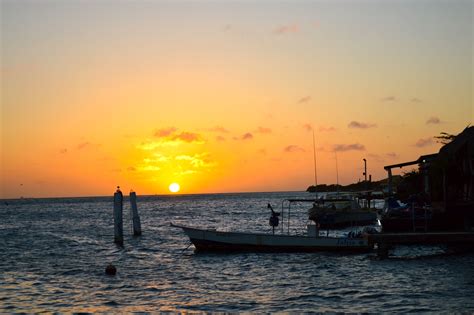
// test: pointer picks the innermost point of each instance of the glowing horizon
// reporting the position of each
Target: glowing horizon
(223, 97)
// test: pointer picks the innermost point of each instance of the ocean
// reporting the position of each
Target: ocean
(53, 254)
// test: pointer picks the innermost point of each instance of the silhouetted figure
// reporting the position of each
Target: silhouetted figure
(274, 220)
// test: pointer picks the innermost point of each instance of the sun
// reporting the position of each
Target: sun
(174, 187)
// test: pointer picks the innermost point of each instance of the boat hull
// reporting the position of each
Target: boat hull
(215, 241)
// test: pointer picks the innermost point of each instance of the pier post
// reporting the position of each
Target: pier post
(382, 250)
(390, 188)
(137, 229)
(118, 220)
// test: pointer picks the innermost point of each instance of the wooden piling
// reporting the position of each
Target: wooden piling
(118, 220)
(137, 229)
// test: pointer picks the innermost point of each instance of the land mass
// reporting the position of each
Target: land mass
(360, 186)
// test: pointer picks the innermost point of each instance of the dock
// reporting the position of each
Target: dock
(385, 241)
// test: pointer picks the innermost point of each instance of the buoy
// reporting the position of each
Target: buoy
(110, 270)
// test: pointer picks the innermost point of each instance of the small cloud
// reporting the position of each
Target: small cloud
(389, 99)
(424, 142)
(149, 145)
(305, 99)
(83, 145)
(349, 147)
(360, 125)
(186, 172)
(220, 138)
(63, 151)
(263, 130)
(392, 155)
(227, 27)
(131, 169)
(170, 137)
(433, 120)
(189, 137)
(327, 129)
(308, 127)
(152, 168)
(161, 133)
(286, 29)
(158, 157)
(376, 157)
(247, 136)
(87, 145)
(416, 100)
(218, 129)
(196, 160)
(293, 148)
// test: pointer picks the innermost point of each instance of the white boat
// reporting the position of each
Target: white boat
(217, 241)
(340, 210)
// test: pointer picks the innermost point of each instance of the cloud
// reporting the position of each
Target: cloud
(389, 99)
(392, 155)
(360, 125)
(218, 129)
(293, 148)
(131, 169)
(286, 29)
(376, 157)
(349, 147)
(148, 168)
(171, 137)
(263, 130)
(424, 142)
(197, 160)
(186, 172)
(83, 145)
(158, 157)
(160, 133)
(416, 100)
(189, 137)
(304, 99)
(326, 129)
(63, 151)
(247, 136)
(433, 120)
(87, 145)
(308, 127)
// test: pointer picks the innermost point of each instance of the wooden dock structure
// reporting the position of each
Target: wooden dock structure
(385, 241)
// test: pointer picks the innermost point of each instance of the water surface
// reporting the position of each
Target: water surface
(53, 253)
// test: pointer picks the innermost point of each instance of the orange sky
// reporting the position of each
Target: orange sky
(224, 97)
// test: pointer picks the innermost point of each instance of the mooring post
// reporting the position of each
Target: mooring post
(382, 250)
(118, 220)
(137, 229)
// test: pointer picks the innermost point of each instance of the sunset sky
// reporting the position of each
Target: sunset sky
(222, 96)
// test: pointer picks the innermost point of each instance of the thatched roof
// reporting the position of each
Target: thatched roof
(450, 152)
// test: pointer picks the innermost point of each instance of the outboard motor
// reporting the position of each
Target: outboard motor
(274, 220)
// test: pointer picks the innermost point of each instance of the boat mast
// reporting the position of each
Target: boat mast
(315, 169)
(337, 173)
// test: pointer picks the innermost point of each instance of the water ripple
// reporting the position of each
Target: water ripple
(53, 255)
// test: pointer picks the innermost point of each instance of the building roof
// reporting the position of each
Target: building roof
(420, 160)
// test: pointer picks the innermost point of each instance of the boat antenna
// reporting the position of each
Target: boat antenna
(337, 173)
(315, 168)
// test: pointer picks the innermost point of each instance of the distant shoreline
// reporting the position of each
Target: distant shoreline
(151, 196)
